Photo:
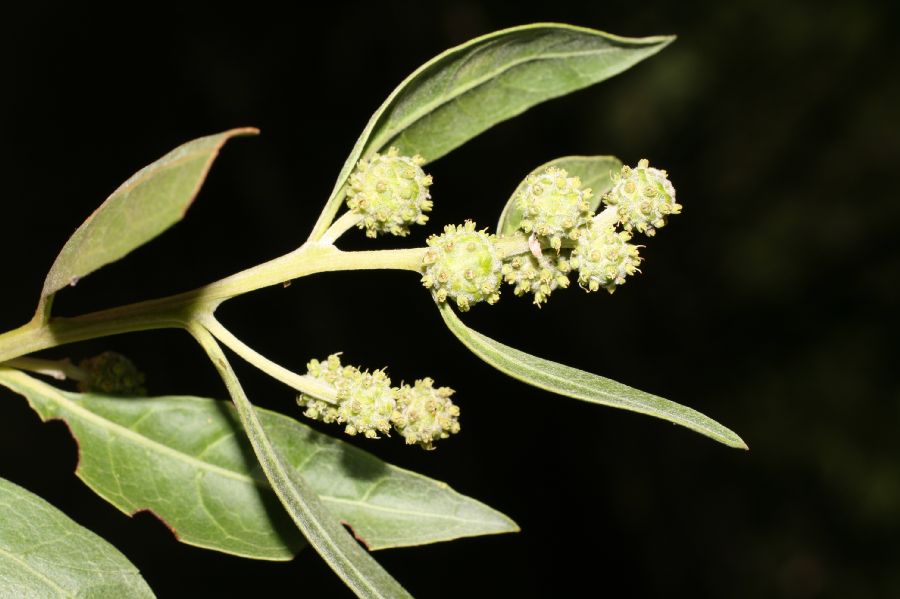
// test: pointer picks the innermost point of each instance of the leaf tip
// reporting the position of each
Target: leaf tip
(731, 439)
(243, 131)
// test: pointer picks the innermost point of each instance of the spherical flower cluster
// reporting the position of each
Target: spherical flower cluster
(365, 400)
(462, 264)
(558, 216)
(367, 404)
(111, 373)
(468, 265)
(643, 197)
(425, 414)
(554, 206)
(529, 274)
(604, 257)
(390, 192)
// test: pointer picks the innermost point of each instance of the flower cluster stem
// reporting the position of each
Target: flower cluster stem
(303, 383)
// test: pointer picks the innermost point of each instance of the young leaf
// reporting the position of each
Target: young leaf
(578, 384)
(595, 172)
(151, 201)
(353, 564)
(470, 88)
(186, 460)
(44, 553)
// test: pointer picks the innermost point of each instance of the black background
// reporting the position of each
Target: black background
(768, 304)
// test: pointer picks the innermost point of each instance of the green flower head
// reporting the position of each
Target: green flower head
(111, 373)
(538, 275)
(425, 414)
(390, 192)
(604, 257)
(364, 400)
(462, 264)
(643, 197)
(554, 206)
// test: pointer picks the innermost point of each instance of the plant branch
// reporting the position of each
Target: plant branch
(347, 221)
(352, 563)
(302, 383)
(57, 369)
(178, 311)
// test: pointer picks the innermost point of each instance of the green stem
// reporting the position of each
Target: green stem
(347, 221)
(302, 383)
(307, 260)
(329, 212)
(178, 311)
(58, 369)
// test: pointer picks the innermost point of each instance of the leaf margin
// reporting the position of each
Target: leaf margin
(59, 276)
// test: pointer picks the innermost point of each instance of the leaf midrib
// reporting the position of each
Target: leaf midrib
(430, 107)
(400, 511)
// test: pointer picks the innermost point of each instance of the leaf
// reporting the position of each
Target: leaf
(468, 89)
(385, 505)
(595, 172)
(353, 564)
(578, 384)
(44, 553)
(151, 201)
(185, 459)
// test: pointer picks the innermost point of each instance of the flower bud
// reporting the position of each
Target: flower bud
(425, 414)
(540, 276)
(462, 264)
(390, 192)
(644, 197)
(554, 206)
(111, 373)
(365, 400)
(604, 258)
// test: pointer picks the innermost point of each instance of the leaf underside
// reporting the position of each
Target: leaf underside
(578, 384)
(43, 553)
(151, 201)
(186, 460)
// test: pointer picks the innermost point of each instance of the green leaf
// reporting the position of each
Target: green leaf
(151, 201)
(186, 460)
(470, 88)
(595, 172)
(571, 382)
(353, 564)
(44, 553)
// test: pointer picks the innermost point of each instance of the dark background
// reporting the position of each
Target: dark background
(768, 305)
